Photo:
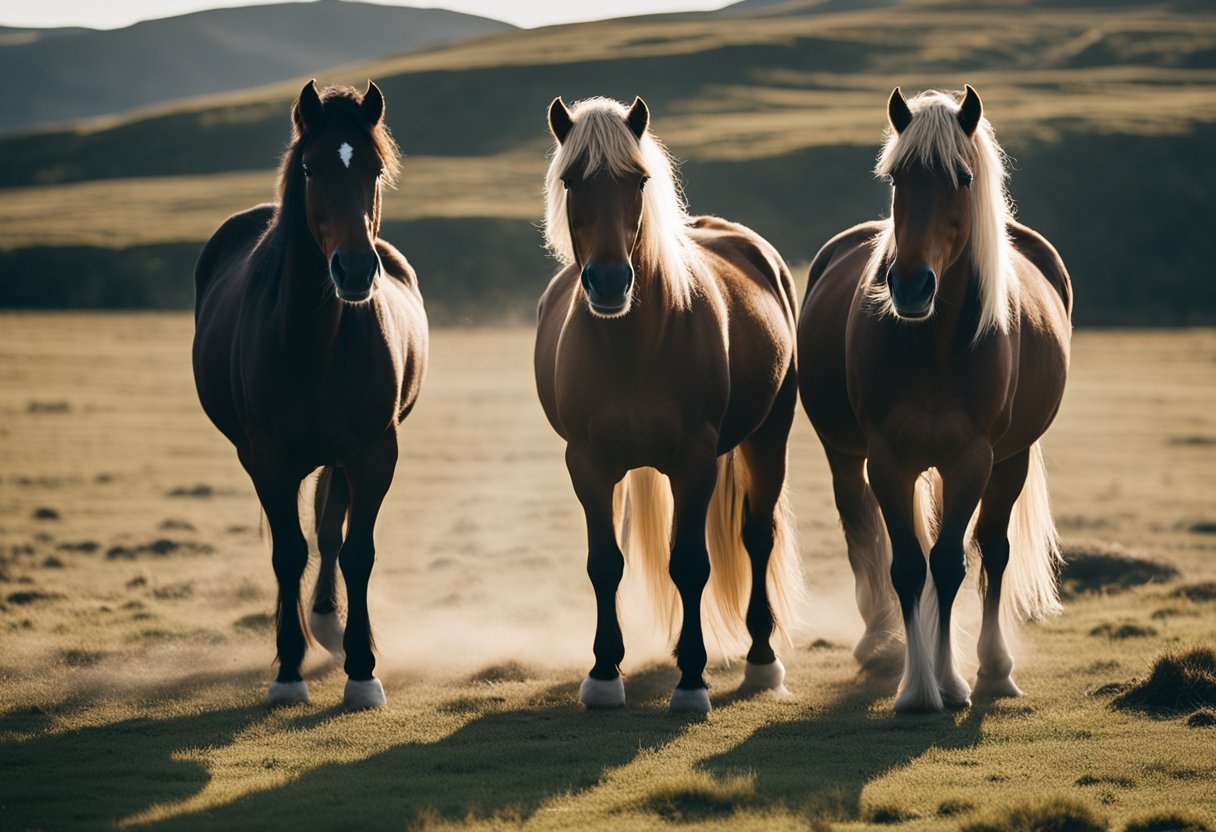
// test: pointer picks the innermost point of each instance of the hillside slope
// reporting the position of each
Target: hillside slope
(84, 72)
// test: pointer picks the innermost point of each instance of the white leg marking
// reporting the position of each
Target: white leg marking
(689, 701)
(996, 664)
(287, 693)
(918, 691)
(758, 678)
(360, 695)
(602, 693)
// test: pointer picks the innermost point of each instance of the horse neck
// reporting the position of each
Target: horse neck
(308, 312)
(957, 312)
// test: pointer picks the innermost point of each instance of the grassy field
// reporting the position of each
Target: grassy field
(136, 600)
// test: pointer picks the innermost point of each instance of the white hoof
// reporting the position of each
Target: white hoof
(689, 701)
(602, 693)
(918, 701)
(287, 693)
(758, 678)
(360, 695)
(327, 629)
(956, 693)
(998, 687)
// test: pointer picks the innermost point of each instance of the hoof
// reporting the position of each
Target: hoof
(955, 693)
(327, 629)
(1000, 687)
(287, 693)
(360, 695)
(919, 702)
(689, 701)
(880, 655)
(602, 693)
(758, 678)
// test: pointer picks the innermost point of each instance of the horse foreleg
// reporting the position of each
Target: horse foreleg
(369, 478)
(278, 490)
(692, 487)
(963, 481)
(894, 485)
(332, 503)
(992, 534)
(603, 687)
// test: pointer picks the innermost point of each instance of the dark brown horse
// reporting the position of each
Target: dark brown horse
(938, 341)
(665, 351)
(309, 349)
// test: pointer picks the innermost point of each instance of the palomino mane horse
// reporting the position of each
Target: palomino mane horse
(309, 349)
(665, 359)
(938, 341)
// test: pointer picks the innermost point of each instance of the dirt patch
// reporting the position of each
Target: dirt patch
(506, 672)
(1118, 632)
(1100, 566)
(162, 547)
(1180, 683)
(1202, 591)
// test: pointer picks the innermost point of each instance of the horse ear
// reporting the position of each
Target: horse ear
(373, 103)
(898, 112)
(970, 110)
(560, 122)
(307, 110)
(639, 117)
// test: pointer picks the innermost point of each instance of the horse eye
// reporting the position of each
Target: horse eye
(642, 184)
(964, 178)
(307, 171)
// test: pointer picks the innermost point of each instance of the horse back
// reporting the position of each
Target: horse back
(233, 241)
(1035, 248)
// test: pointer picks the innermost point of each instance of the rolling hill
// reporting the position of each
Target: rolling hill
(777, 110)
(82, 73)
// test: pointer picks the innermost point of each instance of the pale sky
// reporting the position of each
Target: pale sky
(112, 14)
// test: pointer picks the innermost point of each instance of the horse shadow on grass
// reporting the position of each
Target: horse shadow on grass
(818, 766)
(503, 763)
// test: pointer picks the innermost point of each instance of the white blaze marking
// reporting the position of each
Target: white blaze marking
(345, 151)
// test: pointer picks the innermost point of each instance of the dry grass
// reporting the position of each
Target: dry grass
(139, 680)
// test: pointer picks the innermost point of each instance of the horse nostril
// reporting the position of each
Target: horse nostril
(335, 268)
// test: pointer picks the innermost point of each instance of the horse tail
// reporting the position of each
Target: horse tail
(644, 509)
(1029, 590)
(730, 574)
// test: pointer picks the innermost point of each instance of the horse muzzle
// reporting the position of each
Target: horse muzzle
(354, 274)
(609, 287)
(912, 292)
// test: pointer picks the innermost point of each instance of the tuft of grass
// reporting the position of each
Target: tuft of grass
(1049, 815)
(1170, 821)
(891, 814)
(46, 513)
(1202, 591)
(1180, 682)
(700, 797)
(1098, 566)
(954, 806)
(1122, 631)
(506, 672)
(257, 622)
(1203, 718)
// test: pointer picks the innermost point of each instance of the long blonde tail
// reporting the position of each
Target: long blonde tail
(644, 511)
(1029, 590)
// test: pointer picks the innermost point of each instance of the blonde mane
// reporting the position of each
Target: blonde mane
(601, 138)
(935, 139)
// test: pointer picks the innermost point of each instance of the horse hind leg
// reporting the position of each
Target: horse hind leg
(332, 505)
(994, 678)
(768, 536)
(880, 648)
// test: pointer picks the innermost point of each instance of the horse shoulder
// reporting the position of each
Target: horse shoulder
(1035, 248)
(236, 236)
(844, 243)
(745, 248)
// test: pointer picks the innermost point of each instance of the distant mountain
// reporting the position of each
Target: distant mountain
(67, 74)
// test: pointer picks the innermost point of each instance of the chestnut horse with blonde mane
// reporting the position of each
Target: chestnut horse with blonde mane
(309, 350)
(665, 359)
(934, 351)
